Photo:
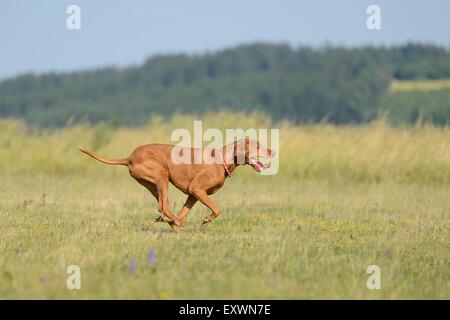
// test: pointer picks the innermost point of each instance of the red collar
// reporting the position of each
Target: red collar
(224, 164)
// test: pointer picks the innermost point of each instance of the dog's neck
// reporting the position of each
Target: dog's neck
(229, 161)
(230, 169)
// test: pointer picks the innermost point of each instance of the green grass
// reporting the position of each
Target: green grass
(345, 198)
(419, 85)
(275, 239)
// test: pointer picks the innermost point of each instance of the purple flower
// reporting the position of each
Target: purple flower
(133, 266)
(151, 257)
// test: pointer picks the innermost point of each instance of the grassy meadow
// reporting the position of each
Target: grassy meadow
(344, 198)
(419, 85)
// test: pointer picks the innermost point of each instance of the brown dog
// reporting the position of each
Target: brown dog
(154, 166)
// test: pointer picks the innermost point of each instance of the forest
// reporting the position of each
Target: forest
(334, 84)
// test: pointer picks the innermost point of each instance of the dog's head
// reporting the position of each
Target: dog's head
(251, 152)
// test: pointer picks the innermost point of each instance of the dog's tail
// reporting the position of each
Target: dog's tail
(124, 162)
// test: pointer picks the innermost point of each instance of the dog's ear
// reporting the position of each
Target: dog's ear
(247, 146)
(240, 150)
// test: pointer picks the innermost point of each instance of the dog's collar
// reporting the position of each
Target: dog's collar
(223, 163)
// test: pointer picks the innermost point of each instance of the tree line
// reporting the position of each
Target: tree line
(303, 85)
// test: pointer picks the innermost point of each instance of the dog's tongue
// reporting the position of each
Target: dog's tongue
(257, 165)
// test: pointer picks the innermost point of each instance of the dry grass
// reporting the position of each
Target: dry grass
(371, 153)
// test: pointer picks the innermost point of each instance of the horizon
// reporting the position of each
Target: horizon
(121, 34)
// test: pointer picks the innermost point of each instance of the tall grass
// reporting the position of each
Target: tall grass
(371, 153)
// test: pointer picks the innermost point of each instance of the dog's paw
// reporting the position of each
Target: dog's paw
(206, 220)
(179, 222)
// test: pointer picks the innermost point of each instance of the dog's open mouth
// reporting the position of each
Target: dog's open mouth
(257, 164)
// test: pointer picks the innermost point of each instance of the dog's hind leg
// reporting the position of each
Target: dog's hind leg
(162, 189)
(153, 190)
(156, 179)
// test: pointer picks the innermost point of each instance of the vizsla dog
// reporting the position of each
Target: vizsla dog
(153, 166)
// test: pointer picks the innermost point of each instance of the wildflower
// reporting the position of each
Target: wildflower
(133, 266)
(151, 257)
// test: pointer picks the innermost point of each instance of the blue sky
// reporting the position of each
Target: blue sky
(34, 37)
